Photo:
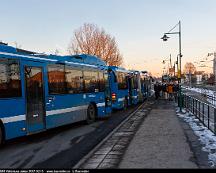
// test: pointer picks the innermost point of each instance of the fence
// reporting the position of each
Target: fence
(206, 113)
(211, 99)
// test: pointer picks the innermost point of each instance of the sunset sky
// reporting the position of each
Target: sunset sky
(137, 25)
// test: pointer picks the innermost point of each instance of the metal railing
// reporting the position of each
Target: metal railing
(206, 113)
(211, 99)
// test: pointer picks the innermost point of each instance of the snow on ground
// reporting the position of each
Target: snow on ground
(204, 91)
(206, 137)
(201, 90)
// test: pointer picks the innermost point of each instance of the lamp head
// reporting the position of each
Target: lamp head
(165, 37)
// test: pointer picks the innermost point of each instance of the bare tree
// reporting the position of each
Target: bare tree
(89, 39)
(189, 69)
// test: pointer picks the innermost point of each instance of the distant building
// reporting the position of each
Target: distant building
(199, 76)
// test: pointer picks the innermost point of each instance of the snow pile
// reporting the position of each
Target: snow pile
(206, 137)
(212, 94)
(201, 90)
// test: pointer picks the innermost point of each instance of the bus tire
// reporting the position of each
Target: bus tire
(91, 114)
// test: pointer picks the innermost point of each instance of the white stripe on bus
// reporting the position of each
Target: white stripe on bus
(122, 70)
(121, 99)
(48, 113)
(81, 64)
(46, 59)
(66, 110)
(13, 119)
(100, 104)
(33, 57)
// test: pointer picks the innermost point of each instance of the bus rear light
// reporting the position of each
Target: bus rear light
(113, 96)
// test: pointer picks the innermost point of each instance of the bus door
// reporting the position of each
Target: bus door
(130, 86)
(108, 97)
(34, 87)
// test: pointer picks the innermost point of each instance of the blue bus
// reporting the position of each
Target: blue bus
(118, 78)
(133, 81)
(139, 86)
(39, 92)
(145, 84)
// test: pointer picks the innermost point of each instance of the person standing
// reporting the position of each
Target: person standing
(170, 91)
(157, 90)
(175, 90)
(164, 90)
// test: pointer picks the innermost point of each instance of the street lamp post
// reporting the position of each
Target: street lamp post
(165, 38)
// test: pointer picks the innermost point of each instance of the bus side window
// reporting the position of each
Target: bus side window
(114, 77)
(101, 82)
(56, 78)
(74, 80)
(122, 81)
(10, 83)
(91, 81)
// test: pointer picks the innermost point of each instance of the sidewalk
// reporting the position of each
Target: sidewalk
(160, 141)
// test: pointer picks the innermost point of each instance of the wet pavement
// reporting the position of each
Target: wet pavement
(109, 152)
(153, 137)
(61, 147)
(160, 141)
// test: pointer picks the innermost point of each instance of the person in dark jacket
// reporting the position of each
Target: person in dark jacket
(157, 89)
(175, 90)
(164, 90)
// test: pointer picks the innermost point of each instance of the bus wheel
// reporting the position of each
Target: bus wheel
(91, 114)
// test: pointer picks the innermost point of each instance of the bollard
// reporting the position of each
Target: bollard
(183, 105)
(178, 101)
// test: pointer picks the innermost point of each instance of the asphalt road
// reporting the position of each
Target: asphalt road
(61, 147)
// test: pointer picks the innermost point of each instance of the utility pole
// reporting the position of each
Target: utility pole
(165, 38)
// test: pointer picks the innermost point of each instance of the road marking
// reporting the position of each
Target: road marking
(80, 139)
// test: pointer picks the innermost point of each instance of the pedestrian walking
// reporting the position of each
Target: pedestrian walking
(157, 89)
(170, 91)
(175, 90)
(164, 90)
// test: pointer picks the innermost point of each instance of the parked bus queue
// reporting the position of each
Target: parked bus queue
(47, 91)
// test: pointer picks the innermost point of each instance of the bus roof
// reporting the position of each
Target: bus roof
(120, 69)
(82, 59)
